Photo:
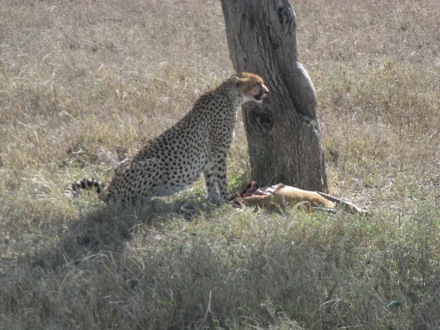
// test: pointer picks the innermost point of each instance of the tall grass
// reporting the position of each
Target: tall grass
(84, 84)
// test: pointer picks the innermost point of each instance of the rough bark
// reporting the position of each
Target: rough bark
(283, 134)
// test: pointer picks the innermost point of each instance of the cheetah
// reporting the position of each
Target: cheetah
(195, 145)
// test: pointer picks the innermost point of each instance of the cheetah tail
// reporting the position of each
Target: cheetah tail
(75, 188)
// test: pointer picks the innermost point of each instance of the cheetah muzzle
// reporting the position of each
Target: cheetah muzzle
(197, 144)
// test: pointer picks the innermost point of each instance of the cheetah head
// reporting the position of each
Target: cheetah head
(251, 87)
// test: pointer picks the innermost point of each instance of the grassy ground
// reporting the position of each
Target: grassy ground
(82, 85)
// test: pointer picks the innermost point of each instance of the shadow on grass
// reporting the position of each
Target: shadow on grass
(324, 272)
(109, 228)
(80, 257)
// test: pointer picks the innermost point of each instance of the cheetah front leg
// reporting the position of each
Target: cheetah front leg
(211, 184)
(215, 178)
(222, 181)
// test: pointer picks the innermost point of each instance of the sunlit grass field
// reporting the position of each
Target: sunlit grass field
(84, 84)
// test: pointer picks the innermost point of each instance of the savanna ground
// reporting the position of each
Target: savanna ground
(84, 84)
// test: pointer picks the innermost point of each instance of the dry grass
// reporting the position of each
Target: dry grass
(83, 85)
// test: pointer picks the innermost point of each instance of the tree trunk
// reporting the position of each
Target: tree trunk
(283, 134)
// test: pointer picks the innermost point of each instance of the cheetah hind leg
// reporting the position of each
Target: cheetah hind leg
(141, 181)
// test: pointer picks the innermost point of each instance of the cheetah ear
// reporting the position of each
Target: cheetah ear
(236, 80)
